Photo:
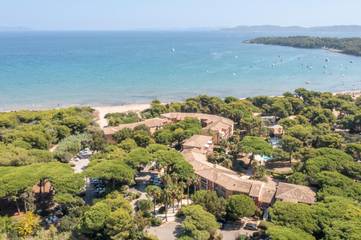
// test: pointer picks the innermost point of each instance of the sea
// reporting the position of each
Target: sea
(56, 69)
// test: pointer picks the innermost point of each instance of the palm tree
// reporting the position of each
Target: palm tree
(167, 193)
(197, 183)
(179, 193)
(189, 182)
(173, 194)
(155, 192)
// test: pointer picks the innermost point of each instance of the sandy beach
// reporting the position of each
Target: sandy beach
(103, 110)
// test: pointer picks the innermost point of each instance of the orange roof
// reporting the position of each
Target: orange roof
(208, 118)
(227, 178)
(295, 193)
(198, 141)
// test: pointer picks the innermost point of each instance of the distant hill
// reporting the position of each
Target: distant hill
(275, 28)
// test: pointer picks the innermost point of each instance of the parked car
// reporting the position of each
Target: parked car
(86, 153)
(251, 226)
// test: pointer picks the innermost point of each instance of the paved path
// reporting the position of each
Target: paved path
(169, 230)
(80, 165)
(166, 231)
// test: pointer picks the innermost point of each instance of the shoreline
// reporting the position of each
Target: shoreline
(112, 108)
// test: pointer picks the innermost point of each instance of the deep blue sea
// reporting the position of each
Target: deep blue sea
(46, 69)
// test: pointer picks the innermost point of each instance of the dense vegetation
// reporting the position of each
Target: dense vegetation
(31, 176)
(350, 46)
(321, 136)
(115, 119)
(321, 144)
(26, 136)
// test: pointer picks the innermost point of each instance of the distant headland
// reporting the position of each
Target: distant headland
(350, 46)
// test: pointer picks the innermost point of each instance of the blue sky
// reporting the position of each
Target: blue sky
(174, 14)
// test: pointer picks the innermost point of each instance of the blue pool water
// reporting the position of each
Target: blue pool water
(46, 69)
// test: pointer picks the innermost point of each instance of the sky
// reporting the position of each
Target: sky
(174, 14)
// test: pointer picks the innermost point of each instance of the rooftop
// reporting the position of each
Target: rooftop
(212, 121)
(229, 179)
(295, 193)
(198, 141)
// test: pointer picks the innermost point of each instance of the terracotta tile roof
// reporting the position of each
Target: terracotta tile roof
(267, 194)
(295, 193)
(256, 189)
(198, 141)
(219, 125)
(227, 178)
(218, 122)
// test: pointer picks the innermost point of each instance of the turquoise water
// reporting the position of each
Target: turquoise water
(46, 69)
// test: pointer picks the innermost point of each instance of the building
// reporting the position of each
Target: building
(202, 143)
(218, 127)
(295, 193)
(227, 182)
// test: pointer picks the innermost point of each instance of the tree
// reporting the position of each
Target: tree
(166, 197)
(145, 205)
(285, 233)
(352, 122)
(280, 107)
(94, 219)
(255, 145)
(354, 149)
(294, 215)
(290, 145)
(17, 181)
(164, 137)
(142, 138)
(221, 158)
(329, 159)
(27, 224)
(239, 206)
(155, 110)
(332, 140)
(259, 171)
(156, 193)
(110, 218)
(339, 218)
(111, 170)
(6, 227)
(318, 115)
(115, 119)
(335, 184)
(123, 134)
(302, 133)
(198, 223)
(119, 224)
(138, 157)
(128, 144)
(71, 145)
(210, 202)
(279, 155)
(174, 163)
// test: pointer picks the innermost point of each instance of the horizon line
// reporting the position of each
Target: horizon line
(200, 28)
